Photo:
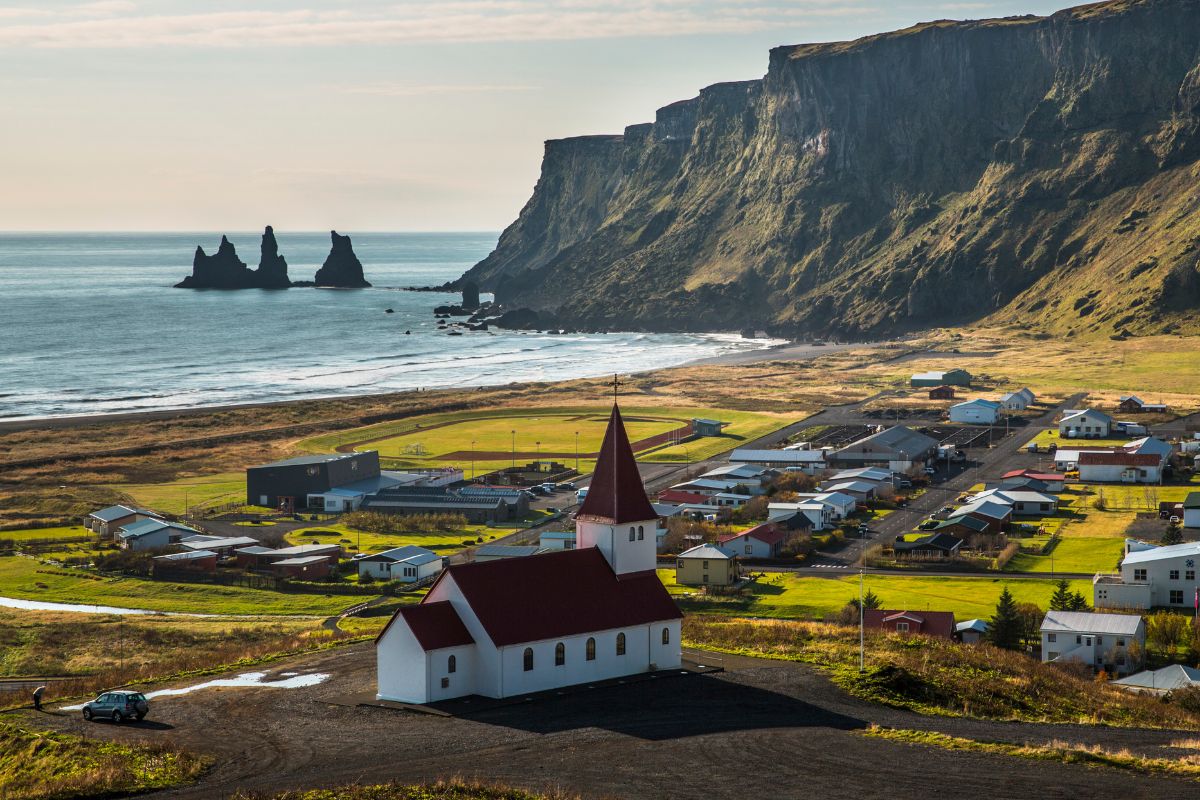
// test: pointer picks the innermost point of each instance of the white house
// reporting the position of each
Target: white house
(975, 412)
(1161, 681)
(1191, 510)
(557, 540)
(819, 514)
(1101, 641)
(973, 631)
(1085, 423)
(1119, 467)
(809, 461)
(1018, 400)
(407, 564)
(843, 505)
(152, 534)
(761, 541)
(877, 475)
(861, 491)
(521, 625)
(1151, 577)
(1023, 502)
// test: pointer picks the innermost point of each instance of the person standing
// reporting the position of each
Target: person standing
(37, 697)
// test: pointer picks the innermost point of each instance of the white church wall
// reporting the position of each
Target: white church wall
(577, 669)
(624, 555)
(459, 683)
(401, 666)
(666, 656)
(487, 658)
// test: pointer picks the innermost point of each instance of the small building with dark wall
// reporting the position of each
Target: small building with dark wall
(476, 508)
(295, 479)
(941, 393)
(928, 623)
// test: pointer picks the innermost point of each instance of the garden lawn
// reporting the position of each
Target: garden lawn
(1133, 498)
(27, 534)
(789, 596)
(1050, 436)
(351, 540)
(20, 578)
(197, 492)
(1074, 554)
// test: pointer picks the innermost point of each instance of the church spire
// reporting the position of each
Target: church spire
(616, 494)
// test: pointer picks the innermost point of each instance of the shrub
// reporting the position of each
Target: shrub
(374, 522)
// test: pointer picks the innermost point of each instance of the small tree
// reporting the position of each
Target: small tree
(1006, 622)
(1164, 631)
(1172, 535)
(1061, 599)
(870, 600)
(1031, 622)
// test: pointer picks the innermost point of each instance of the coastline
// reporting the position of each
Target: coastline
(785, 351)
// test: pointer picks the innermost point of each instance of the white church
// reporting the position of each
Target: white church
(520, 625)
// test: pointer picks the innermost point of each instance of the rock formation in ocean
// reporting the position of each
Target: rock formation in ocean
(341, 268)
(470, 295)
(272, 268)
(1033, 171)
(224, 270)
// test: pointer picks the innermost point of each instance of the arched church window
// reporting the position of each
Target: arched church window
(666, 635)
(641, 533)
(451, 664)
(591, 649)
(528, 659)
(620, 644)
(560, 654)
(631, 533)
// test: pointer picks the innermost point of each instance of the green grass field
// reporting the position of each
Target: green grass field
(1048, 437)
(20, 579)
(1078, 554)
(196, 492)
(449, 439)
(27, 534)
(789, 596)
(441, 543)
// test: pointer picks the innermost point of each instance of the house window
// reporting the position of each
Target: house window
(749, 549)
(1078, 640)
(1139, 574)
(560, 654)
(666, 637)
(451, 664)
(528, 659)
(901, 627)
(1190, 575)
(1099, 640)
(704, 578)
(445, 683)
(1120, 642)
(620, 644)
(1051, 637)
(681, 563)
(1120, 659)
(632, 533)
(590, 649)
(1174, 574)
(705, 565)
(1176, 597)
(641, 533)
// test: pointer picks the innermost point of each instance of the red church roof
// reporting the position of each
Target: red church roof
(616, 494)
(553, 595)
(436, 625)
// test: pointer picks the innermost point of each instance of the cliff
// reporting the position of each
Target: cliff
(224, 270)
(1039, 171)
(342, 268)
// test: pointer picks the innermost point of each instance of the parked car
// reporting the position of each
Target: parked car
(117, 706)
(581, 494)
(538, 490)
(931, 470)
(566, 487)
(550, 487)
(904, 483)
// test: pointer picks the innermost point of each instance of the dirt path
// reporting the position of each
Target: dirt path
(760, 729)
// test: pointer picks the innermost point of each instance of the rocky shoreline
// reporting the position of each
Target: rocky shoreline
(224, 270)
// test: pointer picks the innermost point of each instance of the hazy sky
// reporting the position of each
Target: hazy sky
(371, 115)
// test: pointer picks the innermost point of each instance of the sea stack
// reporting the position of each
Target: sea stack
(470, 295)
(342, 268)
(272, 267)
(222, 270)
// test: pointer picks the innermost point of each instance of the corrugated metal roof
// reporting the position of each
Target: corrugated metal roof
(1086, 622)
(1159, 553)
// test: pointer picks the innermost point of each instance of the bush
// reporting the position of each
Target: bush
(374, 522)
(366, 579)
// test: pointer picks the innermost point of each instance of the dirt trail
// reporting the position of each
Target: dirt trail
(776, 729)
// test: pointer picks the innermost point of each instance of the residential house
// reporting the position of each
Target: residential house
(796, 522)
(1054, 481)
(932, 547)
(1120, 467)
(1132, 404)
(843, 505)
(557, 540)
(761, 541)
(861, 491)
(1088, 423)
(1018, 400)
(496, 552)
(941, 393)
(877, 475)
(973, 631)
(731, 499)
(705, 565)
(1191, 510)
(896, 448)
(223, 546)
(200, 560)
(1024, 503)
(407, 564)
(152, 534)
(995, 515)
(1151, 577)
(976, 412)
(809, 461)
(677, 496)
(952, 377)
(1101, 641)
(927, 623)
(303, 568)
(749, 473)
(1160, 681)
(820, 515)
(105, 522)
(963, 527)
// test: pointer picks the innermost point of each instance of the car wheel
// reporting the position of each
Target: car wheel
(87, 714)
(117, 717)
(141, 717)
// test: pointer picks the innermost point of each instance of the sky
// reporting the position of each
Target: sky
(190, 115)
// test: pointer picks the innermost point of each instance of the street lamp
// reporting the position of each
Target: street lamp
(514, 449)
(576, 451)
(472, 459)
(862, 639)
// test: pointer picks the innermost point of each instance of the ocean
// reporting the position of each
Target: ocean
(90, 324)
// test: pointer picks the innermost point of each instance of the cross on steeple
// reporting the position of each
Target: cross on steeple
(616, 384)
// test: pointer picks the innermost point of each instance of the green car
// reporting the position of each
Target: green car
(117, 706)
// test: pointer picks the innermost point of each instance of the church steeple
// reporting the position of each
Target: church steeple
(616, 516)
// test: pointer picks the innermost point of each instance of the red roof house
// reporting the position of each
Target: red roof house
(680, 496)
(927, 623)
(762, 541)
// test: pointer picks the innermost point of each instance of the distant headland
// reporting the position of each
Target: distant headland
(224, 270)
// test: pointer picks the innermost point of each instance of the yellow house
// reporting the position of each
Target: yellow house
(705, 565)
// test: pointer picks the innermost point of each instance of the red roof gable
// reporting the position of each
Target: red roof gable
(931, 623)
(436, 625)
(616, 494)
(1121, 459)
(564, 593)
(767, 533)
(680, 496)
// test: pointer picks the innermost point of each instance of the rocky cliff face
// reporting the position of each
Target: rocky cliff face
(1037, 171)
(341, 268)
(224, 270)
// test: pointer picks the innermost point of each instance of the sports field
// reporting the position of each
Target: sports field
(483, 441)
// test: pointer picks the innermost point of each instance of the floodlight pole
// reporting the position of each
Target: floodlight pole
(862, 638)
(514, 449)
(576, 451)
(472, 459)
